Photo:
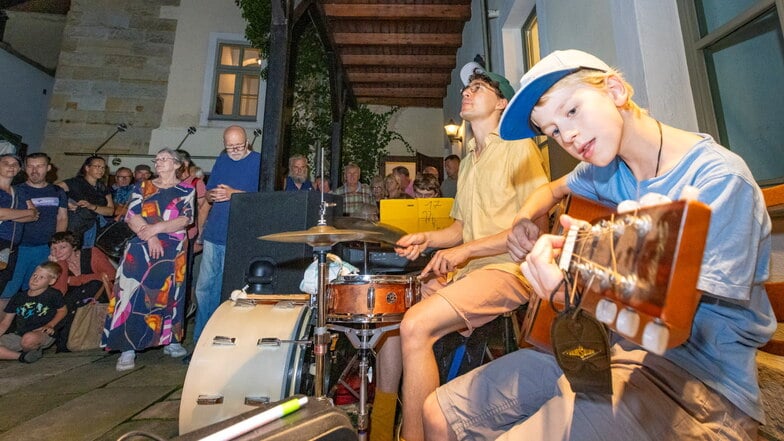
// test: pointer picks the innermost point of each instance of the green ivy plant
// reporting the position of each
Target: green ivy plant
(366, 134)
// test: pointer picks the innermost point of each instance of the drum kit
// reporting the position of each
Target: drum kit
(273, 363)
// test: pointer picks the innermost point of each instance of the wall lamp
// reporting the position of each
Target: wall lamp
(452, 131)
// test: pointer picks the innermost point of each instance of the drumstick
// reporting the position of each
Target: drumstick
(258, 420)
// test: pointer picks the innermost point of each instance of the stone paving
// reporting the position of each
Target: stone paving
(80, 396)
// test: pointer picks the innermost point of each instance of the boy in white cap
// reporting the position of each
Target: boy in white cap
(705, 388)
(472, 279)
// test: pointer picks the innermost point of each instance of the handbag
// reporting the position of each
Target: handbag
(88, 323)
(113, 238)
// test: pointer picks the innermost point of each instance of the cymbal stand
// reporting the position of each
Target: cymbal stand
(364, 339)
(321, 334)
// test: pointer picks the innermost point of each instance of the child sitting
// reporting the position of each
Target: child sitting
(38, 310)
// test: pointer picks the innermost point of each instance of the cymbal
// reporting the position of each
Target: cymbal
(321, 235)
(389, 233)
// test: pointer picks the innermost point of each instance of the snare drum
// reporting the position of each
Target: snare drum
(247, 355)
(371, 298)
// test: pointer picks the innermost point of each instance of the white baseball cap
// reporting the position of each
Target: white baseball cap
(516, 120)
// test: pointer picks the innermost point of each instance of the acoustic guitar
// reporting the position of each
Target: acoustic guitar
(636, 272)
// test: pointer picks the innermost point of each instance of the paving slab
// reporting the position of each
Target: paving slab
(88, 416)
(163, 410)
(15, 375)
(18, 407)
(80, 379)
(163, 428)
(157, 374)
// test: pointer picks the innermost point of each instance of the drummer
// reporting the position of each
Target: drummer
(473, 277)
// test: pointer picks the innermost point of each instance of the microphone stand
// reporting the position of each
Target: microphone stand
(191, 131)
(256, 133)
(120, 128)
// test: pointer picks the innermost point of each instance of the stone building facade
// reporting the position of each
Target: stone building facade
(113, 68)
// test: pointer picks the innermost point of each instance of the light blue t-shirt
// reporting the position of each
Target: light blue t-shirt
(722, 347)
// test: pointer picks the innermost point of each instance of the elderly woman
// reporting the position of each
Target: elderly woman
(88, 197)
(146, 306)
(84, 271)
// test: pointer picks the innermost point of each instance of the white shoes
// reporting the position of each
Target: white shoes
(175, 350)
(126, 361)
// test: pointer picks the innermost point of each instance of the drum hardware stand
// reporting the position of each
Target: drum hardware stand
(364, 339)
(321, 336)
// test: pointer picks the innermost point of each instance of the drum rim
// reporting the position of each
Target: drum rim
(357, 279)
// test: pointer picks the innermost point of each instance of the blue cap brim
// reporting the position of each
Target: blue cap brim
(516, 120)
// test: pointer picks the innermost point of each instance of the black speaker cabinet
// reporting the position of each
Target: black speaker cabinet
(258, 214)
(318, 420)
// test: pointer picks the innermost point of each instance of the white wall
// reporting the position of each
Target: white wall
(24, 99)
(421, 127)
(199, 22)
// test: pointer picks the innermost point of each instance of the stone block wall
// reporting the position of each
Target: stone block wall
(113, 68)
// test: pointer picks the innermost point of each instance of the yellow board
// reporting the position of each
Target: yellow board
(416, 215)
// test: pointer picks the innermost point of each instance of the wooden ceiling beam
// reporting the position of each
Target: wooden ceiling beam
(424, 92)
(402, 101)
(397, 39)
(447, 61)
(398, 12)
(397, 77)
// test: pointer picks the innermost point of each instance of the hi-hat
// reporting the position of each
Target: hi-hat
(321, 235)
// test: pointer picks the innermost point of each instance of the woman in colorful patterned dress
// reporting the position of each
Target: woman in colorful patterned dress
(146, 307)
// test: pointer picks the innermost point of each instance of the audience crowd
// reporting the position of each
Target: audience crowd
(176, 224)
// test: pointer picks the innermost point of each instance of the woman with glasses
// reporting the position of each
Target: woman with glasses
(146, 308)
(88, 197)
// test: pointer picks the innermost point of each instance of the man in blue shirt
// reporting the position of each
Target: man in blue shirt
(236, 171)
(298, 178)
(52, 205)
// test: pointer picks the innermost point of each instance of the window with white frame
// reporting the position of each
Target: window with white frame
(736, 65)
(236, 87)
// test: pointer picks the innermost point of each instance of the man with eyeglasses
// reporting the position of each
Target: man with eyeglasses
(121, 191)
(235, 171)
(472, 279)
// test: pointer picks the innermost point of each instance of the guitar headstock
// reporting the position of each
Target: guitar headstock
(638, 271)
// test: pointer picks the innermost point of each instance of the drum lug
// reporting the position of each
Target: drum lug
(409, 297)
(209, 399)
(371, 298)
(244, 303)
(256, 401)
(220, 340)
(274, 341)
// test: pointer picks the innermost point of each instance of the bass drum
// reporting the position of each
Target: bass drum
(247, 355)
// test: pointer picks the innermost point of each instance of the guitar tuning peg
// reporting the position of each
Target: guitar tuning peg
(628, 322)
(627, 206)
(650, 199)
(690, 193)
(606, 311)
(655, 337)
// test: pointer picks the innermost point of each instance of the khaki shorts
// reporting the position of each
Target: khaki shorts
(480, 296)
(524, 395)
(14, 342)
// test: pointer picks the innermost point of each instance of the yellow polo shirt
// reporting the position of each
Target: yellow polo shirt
(491, 189)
